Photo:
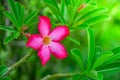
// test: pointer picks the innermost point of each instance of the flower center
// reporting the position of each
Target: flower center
(46, 40)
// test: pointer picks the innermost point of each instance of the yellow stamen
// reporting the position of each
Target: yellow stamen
(46, 40)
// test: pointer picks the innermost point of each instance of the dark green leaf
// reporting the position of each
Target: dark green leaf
(77, 56)
(3, 70)
(30, 17)
(91, 48)
(7, 28)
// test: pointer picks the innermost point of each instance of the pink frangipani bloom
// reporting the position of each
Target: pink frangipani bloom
(47, 42)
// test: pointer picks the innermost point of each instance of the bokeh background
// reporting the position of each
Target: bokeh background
(107, 35)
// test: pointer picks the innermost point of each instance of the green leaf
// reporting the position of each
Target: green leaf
(97, 19)
(55, 9)
(62, 7)
(3, 70)
(11, 17)
(6, 78)
(98, 51)
(76, 77)
(77, 56)
(74, 40)
(117, 69)
(20, 14)
(7, 28)
(112, 59)
(99, 76)
(103, 58)
(30, 17)
(92, 74)
(12, 7)
(93, 12)
(116, 50)
(11, 37)
(91, 48)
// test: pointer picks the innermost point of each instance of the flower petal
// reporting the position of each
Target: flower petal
(44, 54)
(35, 41)
(59, 33)
(44, 25)
(58, 50)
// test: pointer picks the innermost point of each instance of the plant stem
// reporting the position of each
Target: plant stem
(55, 76)
(21, 61)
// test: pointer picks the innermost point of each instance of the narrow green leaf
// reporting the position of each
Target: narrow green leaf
(112, 59)
(11, 37)
(55, 9)
(103, 58)
(100, 76)
(74, 40)
(20, 13)
(3, 70)
(92, 74)
(62, 7)
(93, 12)
(91, 48)
(12, 7)
(117, 69)
(7, 28)
(22, 16)
(30, 17)
(116, 50)
(98, 51)
(6, 78)
(77, 56)
(76, 77)
(11, 17)
(97, 19)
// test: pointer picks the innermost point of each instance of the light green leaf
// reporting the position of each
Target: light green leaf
(77, 56)
(7, 28)
(30, 17)
(91, 48)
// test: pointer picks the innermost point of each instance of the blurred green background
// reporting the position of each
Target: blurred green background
(107, 35)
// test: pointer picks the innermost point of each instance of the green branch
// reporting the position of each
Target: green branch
(55, 76)
(21, 61)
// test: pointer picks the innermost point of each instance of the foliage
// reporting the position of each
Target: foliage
(99, 20)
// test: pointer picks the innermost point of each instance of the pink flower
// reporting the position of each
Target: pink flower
(47, 42)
